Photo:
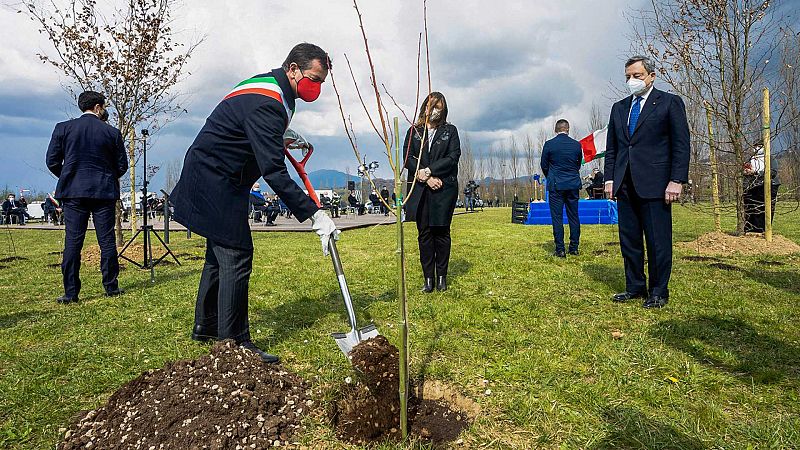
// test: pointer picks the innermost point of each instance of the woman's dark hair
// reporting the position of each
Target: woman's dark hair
(435, 97)
(89, 99)
(304, 55)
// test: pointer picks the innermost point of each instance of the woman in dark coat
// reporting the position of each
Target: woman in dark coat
(432, 151)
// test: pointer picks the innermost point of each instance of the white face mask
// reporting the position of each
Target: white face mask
(436, 113)
(636, 86)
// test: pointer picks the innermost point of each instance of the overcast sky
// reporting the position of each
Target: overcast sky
(506, 67)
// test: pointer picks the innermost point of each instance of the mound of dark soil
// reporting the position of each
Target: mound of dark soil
(700, 258)
(724, 266)
(369, 409)
(226, 400)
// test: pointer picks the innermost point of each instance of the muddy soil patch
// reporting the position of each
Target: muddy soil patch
(368, 410)
(771, 263)
(723, 266)
(227, 399)
(701, 258)
(600, 252)
(13, 258)
(748, 244)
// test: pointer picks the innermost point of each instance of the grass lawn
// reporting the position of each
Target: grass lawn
(527, 336)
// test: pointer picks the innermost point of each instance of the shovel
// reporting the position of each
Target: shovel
(346, 341)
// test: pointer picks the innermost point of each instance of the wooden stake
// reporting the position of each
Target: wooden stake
(132, 173)
(767, 172)
(712, 156)
(401, 283)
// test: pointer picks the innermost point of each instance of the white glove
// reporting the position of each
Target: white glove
(325, 228)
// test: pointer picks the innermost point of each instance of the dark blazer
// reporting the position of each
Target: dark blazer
(241, 141)
(442, 159)
(561, 163)
(658, 151)
(88, 157)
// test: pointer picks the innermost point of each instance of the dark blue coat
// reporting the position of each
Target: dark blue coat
(88, 157)
(441, 155)
(241, 141)
(561, 163)
(658, 151)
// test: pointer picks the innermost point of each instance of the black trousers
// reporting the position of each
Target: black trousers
(76, 219)
(558, 201)
(755, 209)
(434, 242)
(651, 218)
(221, 306)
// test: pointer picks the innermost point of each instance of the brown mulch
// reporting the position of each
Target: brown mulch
(749, 244)
(225, 400)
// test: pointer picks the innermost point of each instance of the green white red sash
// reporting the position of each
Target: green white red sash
(267, 86)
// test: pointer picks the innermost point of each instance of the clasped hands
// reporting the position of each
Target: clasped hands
(424, 175)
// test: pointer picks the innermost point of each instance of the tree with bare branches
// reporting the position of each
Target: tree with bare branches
(131, 54)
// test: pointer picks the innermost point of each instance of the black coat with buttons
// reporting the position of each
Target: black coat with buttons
(441, 156)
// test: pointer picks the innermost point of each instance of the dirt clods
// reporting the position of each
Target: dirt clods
(228, 399)
(369, 408)
(748, 244)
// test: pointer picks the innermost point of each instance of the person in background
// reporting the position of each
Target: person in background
(647, 162)
(595, 188)
(385, 196)
(88, 156)
(336, 200)
(52, 210)
(561, 165)
(257, 202)
(12, 207)
(754, 205)
(374, 200)
(353, 202)
(433, 146)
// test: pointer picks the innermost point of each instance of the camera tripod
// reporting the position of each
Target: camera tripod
(146, 229)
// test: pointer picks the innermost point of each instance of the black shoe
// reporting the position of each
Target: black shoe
(203, 334)
(655, 301)
(65, 300)
(115, 293)
(441, 283)
(428, 286)
(270, 224)
(625, 296)
(266, 357)
(559, 254)
(573, 252)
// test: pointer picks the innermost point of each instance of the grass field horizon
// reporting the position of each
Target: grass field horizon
(534, 340)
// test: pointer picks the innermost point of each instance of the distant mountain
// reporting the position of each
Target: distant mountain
(328, 178)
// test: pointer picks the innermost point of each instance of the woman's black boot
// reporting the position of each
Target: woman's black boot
(441, 283)
(428, 286)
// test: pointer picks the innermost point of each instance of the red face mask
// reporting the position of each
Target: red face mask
(308, 90)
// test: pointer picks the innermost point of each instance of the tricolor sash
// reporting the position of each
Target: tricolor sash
(267, 86)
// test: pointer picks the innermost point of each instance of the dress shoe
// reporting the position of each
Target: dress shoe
(266, 357)
(655, 301)
(428, 286)
(441, 283)
(65, 300)
(203, 334)
(115, 293)
(559, 254)
(574, 252)
(625, 296)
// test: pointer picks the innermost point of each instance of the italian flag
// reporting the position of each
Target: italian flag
(594, 145)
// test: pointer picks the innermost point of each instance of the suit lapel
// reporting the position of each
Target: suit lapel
(623, 113)
(649, 106)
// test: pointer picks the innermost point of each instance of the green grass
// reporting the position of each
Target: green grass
(534, 330)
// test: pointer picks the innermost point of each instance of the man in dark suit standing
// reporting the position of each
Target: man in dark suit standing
(88, 157)
(561, 165)
(241, 141)
(647, 162)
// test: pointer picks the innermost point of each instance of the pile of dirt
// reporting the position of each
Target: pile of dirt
(229, 399)
(90, 255)
(748, 244)
(369, 408)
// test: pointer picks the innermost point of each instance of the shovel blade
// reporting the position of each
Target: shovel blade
(346, 341)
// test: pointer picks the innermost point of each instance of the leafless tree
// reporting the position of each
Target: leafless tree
(717, 51)
(513, 161)
(131, 54)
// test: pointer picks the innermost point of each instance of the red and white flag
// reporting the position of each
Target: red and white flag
(594, 145)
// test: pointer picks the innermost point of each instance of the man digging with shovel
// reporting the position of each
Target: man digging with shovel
(241, 141)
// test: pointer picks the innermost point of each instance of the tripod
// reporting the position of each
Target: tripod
(146, 230)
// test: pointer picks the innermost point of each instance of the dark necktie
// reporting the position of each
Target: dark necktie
(635, 110)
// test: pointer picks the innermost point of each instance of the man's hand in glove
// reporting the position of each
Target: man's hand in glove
(325, 228)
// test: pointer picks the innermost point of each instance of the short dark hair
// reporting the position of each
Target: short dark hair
(89, 99)
(562, 125)
(648, 65)
(304, 54)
